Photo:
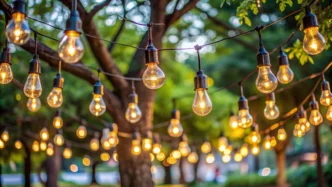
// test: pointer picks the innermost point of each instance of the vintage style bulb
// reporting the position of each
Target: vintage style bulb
(329, 113)
(18, 30)
(18, 144)
(244, 151)
(43, 145)
(5, 136)
(285, 74)
(106, 144)
(133, 113)
(184, 148)
(153, 77)
(32, 86)
(233, 121)
(71, 47)
(33, 104)
(316, 117)
(59, 140)
(86, 161)
(282, 135)
(304, 124)
(50, 149)
(297, 131)
(176, 154)
(136, 147)
(57, 122)
(44, 134)
(313, 41)
(255, 137)
(156, 148)
(271, 110)
(67, 153)
(210, 158)
(97, 106)
(94, 144)
(175, 128)
(55, 99)
(105, 157)
(147, 144)
(266, 81)
(267, 143)
(2, 144)
(202, 104)
(115, 156)
(244, 118)
(161, 156)
(192, 158)
(238, 157)
(226, 158)
(206, 147)
(273, 141)
(255, 149)
(326, 96)
(35, 146)
(222, 143)
(113, 139)
(81, 132)
(6, 74)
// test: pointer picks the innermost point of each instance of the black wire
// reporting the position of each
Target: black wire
(197, 48)
(35, 38)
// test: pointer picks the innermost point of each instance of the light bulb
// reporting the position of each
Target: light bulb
(222, 143)
(49, 150)
(106, 144)
(17, 30)
(233, 121)
(59, 140)
(303, 121)
(238, 157)
(192, 158)
(94, 144)
(136, 147)
(184, 148)
(244, 119)
(43, 146)
(57, 122)
(133, 113)
(282, 135)
(271, 110)
(115, 156)
(6, 74)
(156, 148)
(35, 146)
(206, 147)
(255, 137)
(175, 128)
(297, 131)
(255, 149)
(55, 99)
(32, 87)
(113, 139)
(18, 144)
(244, 151)
(326, 96)
(44, 134)
(71, 48)
(81, 132)
(97, 106)
(316, 117)
(67, 153)
(267, 143)
(171, 160)
(273, 141)
(2, 144)
(228, 150)
(210, 158)
(147, 144)
(329, 113)
(86, 161)
(161, 156)
(266, 81)
(151, 157)
(176, 154)
(33, 104)
(285, 74)
(226, 158)
(313, 41)
(153, 77)
(5, 136)
(202, 104)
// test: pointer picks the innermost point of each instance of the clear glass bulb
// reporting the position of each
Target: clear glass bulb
(184, 149)
(297, 131)
(226, 158)
(133, 113)
(222, 144)
(316, 117)
(44, 134)
(202, 104)
(273, 141)
(233, 122)
(304, 124)
(326, 98)
(156, 148)
(113, 139)
(176, 154)
(94, 144)
(2, 144)
(18, 144)
(67, 153)
(244, 151)
(86, 160)
(55, 99)
(161, 156)
(228, 150)
(210, 158)
(171, 160)
(18, 30)
(59, 140)
(255, 150)
(313, 42)
(97, 106)
(136, 147)
(81, 132)
(175, 128)
(329, 113)
(71, 48)
(105, 157)
(238, 157)
(49, 150)
(285, 74)
(106, 144)
(33, 104)
(43, 146)
(282, 135)
(57, 122)
(192, 158)
(147, 144)
(33, 87)
(266, 81)
(255, 137)
(6, 74)
(244, 118)
(153, 76)
(5, 136)
(271, 110)
(206, 147)
(35, 146)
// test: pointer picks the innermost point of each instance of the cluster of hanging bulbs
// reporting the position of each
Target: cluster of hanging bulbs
(108, 140)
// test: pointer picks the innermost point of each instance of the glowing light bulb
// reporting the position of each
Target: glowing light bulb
(136, 147)
(17, 30)
(271, 110)
(94, 144)
(222, 143)
(192, 158)
(151, 157)
(86, 161)
(233, 121)
(2, 144)
(105, 157)
(50, 150)
(153, 77)
(133, 113)
(244, 151)
(81, 132)
(273, 141)
(303, 121)
(156, 148)
(326, 96)
(35, 146)
(175, 128)
(55, 99)
(285, 74)
(147, 144)
(113, 139)
(226, 158)
(228, 150)
(206, 147)
(238, 157)
(176, 154)
(33, 104)
(255, 137)
(297, 131)
(161, 156)
(316, 117)
(106, 144)
(202, 104)
(313, 42)
(97, 106)
(210, 158)
(59, 140)
(43, 146)
(6, 74)
(329, 113)
(115, 156)
(57, 122)
(32, 87)
(184, 148)
(44, 134)
(67, 153)
(255, 149)
(71, 48)
(244, 118)
(171, 160)
(18, 144)
(267, 143)
(282, 135)
(5, 136)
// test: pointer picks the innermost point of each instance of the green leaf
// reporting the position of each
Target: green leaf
(247, 21)
(311, 60)
(299, 1)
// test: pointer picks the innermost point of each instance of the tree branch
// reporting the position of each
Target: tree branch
(117, 35)
(96, 9)
(171, 18)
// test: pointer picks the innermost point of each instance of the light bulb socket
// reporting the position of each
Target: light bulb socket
(136, 135)
(111, 128)
(148, 134)
(133, 98)
(254, 127)
(74, 22)
(283, 58)
(310, 19)
(156, 138)
(302, 113)
(200, 80)
(325, 85)
(34, 65)
(243, 103)
(98, 88)
(58, 81)
(270, 97)
(59, 131)
(5, 56)
(19, 6)
(183, 138)
(175, 114)
(58, 113)
(151, 54)
(314, 105)
(263, 57)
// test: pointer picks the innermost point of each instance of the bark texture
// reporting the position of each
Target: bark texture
(281, 165)
(27, 164)
(52, 167)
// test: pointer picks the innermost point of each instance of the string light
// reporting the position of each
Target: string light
(271, 110)
(329, 113)
(6, 74)
(267, 142)
(97, 106)
(136, 144)
(5, 135)
(18, 30)
(133, 113)
(115, 156)
(245, 120)
(161, 156)
(105, 139)
(192, 158)
(33, 104)
(222, 143)
(57, 121)
(86, 161)
(32, 86)
(156, 148)
(238, 157)
(206, 147)
(226, 158)
(35, 146)
(313, 41)
(254, 135)
(2, 144)
(297, 131)
(67, 153)
(44, 134)
(282, 135)
(273, 141)
(255, 149)
(326, 96)
(228, 150)
(147, 141)
(285, 74)
(303, 121)
(210, 158)
(55, 98)
(81, 132)
(176, 154)
(170, 160)
(18, 144)
(233, 121)
(58, 138)
(202, 104)
(50, 149)
(175, 128)
(184, 146)
(316, 117)
(113, 137)
(94, 143)
(151, 157)
(71, 48)
(43, 145)
(244, 151)
(105, 157)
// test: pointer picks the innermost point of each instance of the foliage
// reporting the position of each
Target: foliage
(252, 180)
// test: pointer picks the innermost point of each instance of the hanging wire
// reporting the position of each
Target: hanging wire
(59, 67)
(35, 38)
(197, 48)
(99, 70)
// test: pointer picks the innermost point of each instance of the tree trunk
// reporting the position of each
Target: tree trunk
(27, 164)
(93, 172)
(53, 165)
(320, 175)
(256, 163)
(168, 175)
(196, 165)
(182, 175)
(281, 165)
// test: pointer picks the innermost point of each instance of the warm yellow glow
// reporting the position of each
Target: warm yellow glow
(113, 138)
(184, 148)
(171, 160)
(133, 113)
(44, 134)
(49, 150)
(115, 156)
(136, 147)
(58, 140)
(153, 169)
(153, 77)
(106, 144)
(35, 146)
(176, 154)
(266, 81)
(326, 98)
(156, 148)
(245, 120)
(94, 144)
(147, 144)
(43, 146)
(2, 144)
(55, 98)
(86, 161)
(267, 143)
(97, 106)
(329, 113)
(175, 128)
(105, 157)
(244, 151)
(228, 150)
(202, 104)
(313, 41)
(316, 117)
(18, 144)
(206, 147)
(282, 135)
(226, 158)
(255, 150)
(161, 156)
(233, 122)
(32, 86)
(151, 157)
(71, 48)
(273, 141)
(271, 110)
(6, 74)
(255, 137)
(81, 132)
(5, 136)
(17, 30)
(33, 104)
(193, 158)
(67, 153)
(222, 143)
(57, 122)
(210, 158)
(73, 168)
(238, 157)
(285, 74)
